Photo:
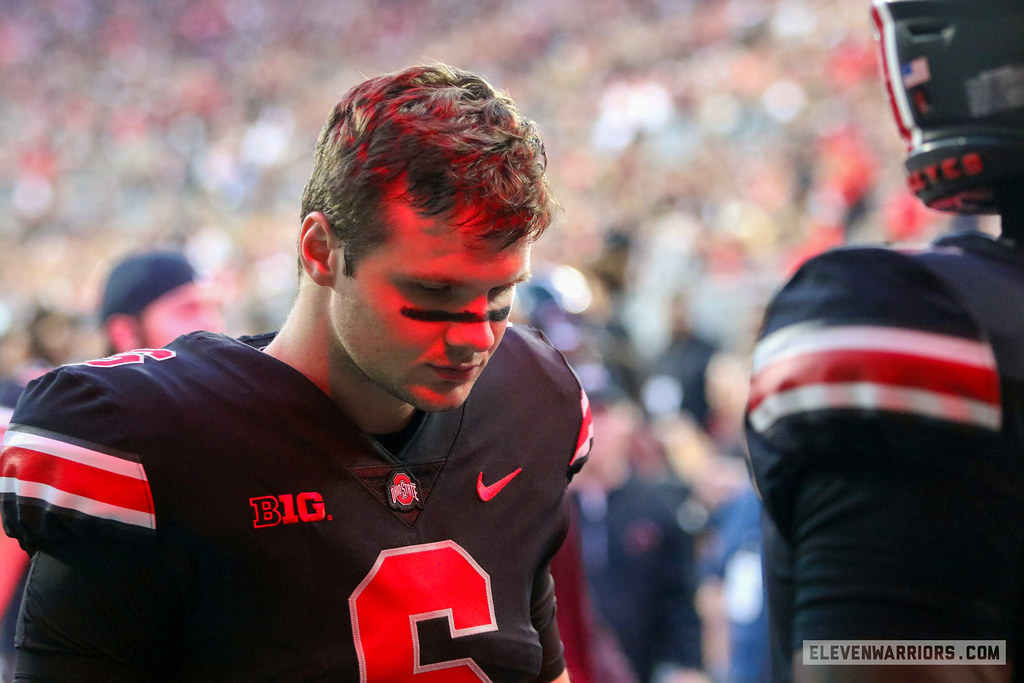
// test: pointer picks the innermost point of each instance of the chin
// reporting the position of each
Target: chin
(433, 401)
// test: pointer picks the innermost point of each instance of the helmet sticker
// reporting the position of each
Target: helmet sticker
(915, 72)
(995, 91)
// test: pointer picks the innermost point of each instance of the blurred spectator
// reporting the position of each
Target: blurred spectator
(176, 121)
(51, 337)
(678, 378)
(734, 544)
(605, 321)
(734, 558)
(731, 596)
(639, 558)
(592, 651)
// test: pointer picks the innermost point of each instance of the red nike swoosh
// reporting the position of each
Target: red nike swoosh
(488, 492)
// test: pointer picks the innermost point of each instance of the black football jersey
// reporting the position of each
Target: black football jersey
(230, 523)
(885, 426)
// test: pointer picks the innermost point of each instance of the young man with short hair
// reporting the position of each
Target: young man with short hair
(374, 492)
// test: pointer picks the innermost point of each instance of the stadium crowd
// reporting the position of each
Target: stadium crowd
(699, 149)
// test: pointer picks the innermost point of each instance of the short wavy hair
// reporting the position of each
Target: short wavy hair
(451, 138)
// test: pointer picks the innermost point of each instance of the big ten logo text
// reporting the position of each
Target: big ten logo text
(288, 509)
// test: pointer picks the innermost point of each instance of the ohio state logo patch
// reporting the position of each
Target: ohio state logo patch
(402, 491)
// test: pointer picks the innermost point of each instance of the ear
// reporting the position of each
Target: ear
(123, 333)
(318, 252)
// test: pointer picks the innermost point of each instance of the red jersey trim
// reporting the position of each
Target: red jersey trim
(586, 437)
(806, 368)
(76, 478)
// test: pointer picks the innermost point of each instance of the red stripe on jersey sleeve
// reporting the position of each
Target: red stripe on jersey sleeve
(586, 436)
(884, 368)
(90, 483)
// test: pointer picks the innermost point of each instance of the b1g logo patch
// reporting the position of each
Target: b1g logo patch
(402, 491)
(288, 509)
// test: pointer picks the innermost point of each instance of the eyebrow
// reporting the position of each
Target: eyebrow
(428, 316)
(446, 279)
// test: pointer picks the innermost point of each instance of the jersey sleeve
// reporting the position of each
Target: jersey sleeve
(559, 407)
(586, 436)
(60, 477)
(101, 593)
(874, 426)
(551, 364)
(98, 609)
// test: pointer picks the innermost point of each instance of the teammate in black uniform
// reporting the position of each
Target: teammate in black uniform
(886, 416)
(149, 299)
(330, 502)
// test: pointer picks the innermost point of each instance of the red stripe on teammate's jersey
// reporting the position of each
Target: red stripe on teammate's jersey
(77, 478)
(586, 437)
(808, 368)
(876, 367)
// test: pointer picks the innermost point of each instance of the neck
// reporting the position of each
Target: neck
(305, 343)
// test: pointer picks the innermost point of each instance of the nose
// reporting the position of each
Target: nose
(477, 336)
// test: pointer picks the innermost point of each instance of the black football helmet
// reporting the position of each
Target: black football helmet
(954, 70)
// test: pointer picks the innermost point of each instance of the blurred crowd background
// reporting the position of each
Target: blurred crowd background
(697, 146)
(700, 150)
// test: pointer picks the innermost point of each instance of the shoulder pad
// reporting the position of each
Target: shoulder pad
(871, 330)
(866, 359)
(526, 358)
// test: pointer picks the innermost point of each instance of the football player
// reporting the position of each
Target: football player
(372, 493)
(886, 413)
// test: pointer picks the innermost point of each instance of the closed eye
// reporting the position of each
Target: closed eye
(432, 289)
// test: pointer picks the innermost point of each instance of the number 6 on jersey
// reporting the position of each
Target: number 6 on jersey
(412, 584)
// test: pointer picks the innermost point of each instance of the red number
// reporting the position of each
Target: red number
(409, 585)
(130, 357)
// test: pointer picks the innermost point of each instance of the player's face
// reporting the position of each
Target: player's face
(184, 309)
(423, 312)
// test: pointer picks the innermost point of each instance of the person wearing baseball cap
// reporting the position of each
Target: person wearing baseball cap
(153, 297)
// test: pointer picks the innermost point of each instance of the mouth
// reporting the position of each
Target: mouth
(456, 373)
